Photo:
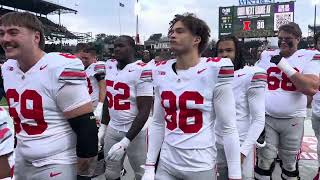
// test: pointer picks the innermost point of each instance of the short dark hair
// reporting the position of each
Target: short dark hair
(130, 40)
(86, 48)
(291, 28)
(24, 19)
(197, 27)
(316, 38)
(239, 61)
(80, 47)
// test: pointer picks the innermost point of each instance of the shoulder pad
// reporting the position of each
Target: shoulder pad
(159, 63)
(140, 63)
(219, 62)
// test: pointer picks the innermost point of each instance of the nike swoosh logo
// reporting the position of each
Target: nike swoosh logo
(294, 124)
(200, 71)
(42, 67)
(300, 56)
(241, 75)
(54, 174)
(131, 70)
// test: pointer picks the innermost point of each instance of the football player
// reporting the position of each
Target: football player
(190, 93)
(249, 91)
(49, 102)
(126, 109)
(292, 74)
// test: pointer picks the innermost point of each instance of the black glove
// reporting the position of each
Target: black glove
(276, 59)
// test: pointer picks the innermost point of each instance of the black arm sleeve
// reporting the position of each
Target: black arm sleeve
(99, 76)
(105, 112)
(87, 135)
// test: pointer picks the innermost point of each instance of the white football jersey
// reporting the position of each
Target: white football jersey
(282, 98)
(6, 135)
(44, 135)
(123, 87)
(93, 84)
(187, 99)
(244, 79)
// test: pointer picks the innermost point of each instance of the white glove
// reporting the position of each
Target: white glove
(98, 111)
(101, 132)
(117, 151)
(149, 173)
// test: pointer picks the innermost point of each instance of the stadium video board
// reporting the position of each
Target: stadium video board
(252, 21)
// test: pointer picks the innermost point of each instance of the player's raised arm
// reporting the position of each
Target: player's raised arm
(306, 82)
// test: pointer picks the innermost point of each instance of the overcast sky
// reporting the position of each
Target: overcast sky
(102, 16)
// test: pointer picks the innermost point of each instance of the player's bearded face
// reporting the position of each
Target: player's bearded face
(17, 41)
(181, 39)
(287, 43)
(227, 49)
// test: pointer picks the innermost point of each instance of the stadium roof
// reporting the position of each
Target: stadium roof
(37, 6)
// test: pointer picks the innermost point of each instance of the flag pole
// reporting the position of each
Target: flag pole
(119, 17)
(137, 26)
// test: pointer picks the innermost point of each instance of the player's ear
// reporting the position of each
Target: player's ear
(37, 37)
(197, 39)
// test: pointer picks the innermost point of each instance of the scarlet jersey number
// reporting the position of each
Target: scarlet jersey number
(274, 83)
(36, 113)
(184, 113)
(115, 101)
(89, 86)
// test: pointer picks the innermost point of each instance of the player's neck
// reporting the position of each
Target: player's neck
(290, 53)
(187, 60)
(124, 62)
(30, 59)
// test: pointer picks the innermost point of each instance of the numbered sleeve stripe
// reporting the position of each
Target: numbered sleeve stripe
(99, 67)
(259, 77)
(226, 71)
(5, 133)
(316, 57)
(146, 74)
(73, 74)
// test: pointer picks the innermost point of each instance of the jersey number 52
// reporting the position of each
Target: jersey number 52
(114, 101)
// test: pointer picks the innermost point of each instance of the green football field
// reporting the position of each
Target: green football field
(3, 102)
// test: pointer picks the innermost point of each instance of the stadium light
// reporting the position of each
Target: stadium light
(137, 9)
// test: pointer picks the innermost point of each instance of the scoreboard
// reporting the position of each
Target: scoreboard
(254, 21)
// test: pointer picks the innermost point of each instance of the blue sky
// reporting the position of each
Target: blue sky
(102, 16)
